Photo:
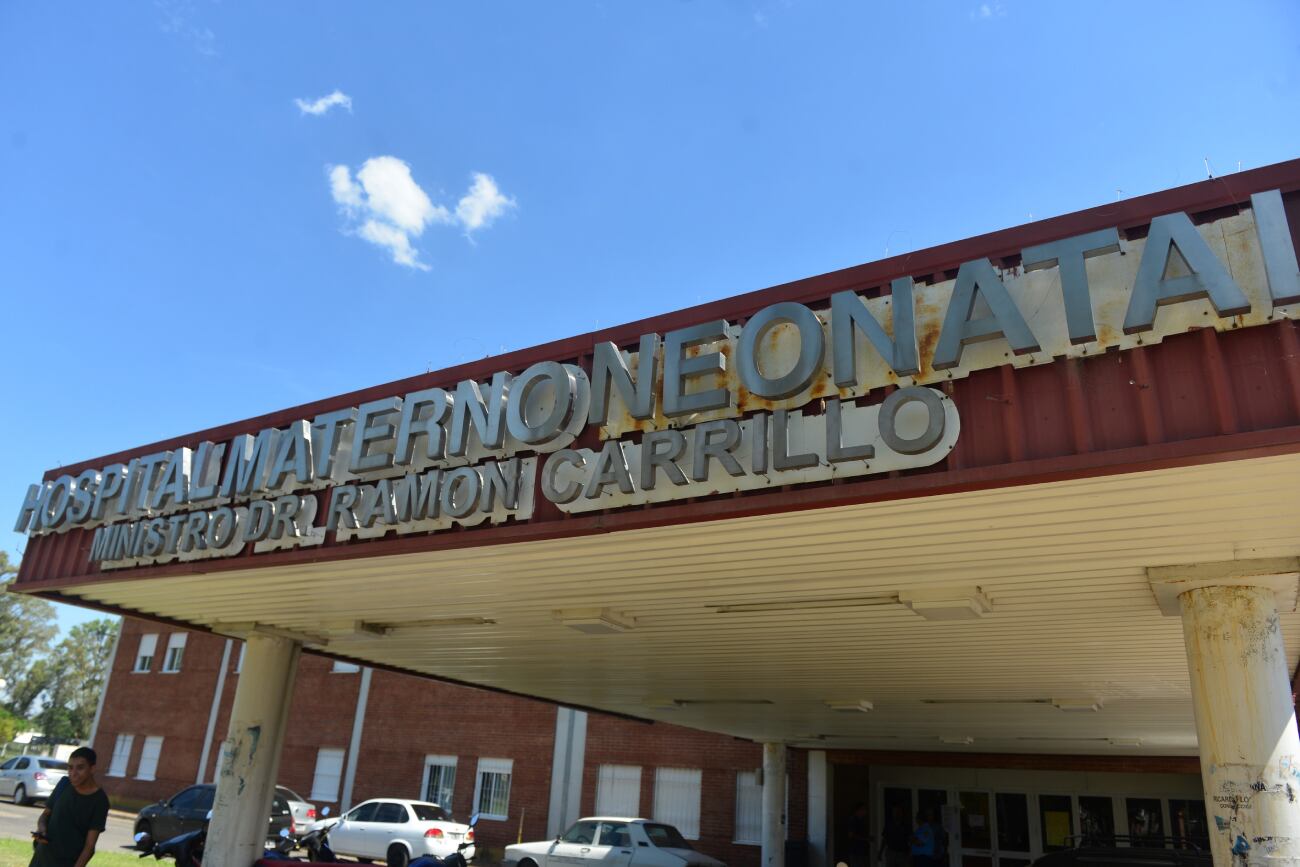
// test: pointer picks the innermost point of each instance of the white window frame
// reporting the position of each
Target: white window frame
(748, 787)
(174, 657)
(143, 659)
(121, 755)
(495, 767)
(341, 667)
(442, 762)
(149, 755)
(618, 790)
(317, 793)
(669, 798)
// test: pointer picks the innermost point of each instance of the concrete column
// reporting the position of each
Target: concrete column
(250, 755)
(819, 787)
(1245, 723)
(773, 805)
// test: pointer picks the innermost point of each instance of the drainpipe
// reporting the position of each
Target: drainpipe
(108, 673)
(212, 712)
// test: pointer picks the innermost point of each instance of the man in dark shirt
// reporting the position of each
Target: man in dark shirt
(896, 841)
(75, 814)
(859, 839)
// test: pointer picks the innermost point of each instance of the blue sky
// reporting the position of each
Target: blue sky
(182, 245)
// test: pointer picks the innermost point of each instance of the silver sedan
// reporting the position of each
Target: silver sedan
(30, 778)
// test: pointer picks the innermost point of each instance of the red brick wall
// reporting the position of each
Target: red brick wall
(175, 706)
(408, 718)
(615, 741)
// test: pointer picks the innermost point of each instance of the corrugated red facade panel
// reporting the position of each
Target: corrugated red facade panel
(1197, 397)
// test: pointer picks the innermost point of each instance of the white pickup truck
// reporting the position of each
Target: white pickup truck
(611, 841)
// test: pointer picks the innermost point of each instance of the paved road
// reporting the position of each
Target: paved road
(17, 823)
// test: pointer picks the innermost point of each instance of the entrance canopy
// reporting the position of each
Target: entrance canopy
(912, 505)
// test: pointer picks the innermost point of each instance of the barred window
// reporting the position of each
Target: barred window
(492, 790)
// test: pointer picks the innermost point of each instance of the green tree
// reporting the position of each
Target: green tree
(27, 627)
(29, 687)
(76, 678)
(10, 726)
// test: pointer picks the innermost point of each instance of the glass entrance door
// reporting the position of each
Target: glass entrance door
(993, 830)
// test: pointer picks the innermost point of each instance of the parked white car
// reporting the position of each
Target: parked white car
(610, 841)
(30, 778)
(396, 831)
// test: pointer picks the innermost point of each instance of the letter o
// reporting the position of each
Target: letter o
(934, 427)
(812, 348)
(221, 527)
(461, 477)
(56, 504)
(565, 387)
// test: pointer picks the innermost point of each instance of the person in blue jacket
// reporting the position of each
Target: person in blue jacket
(925, 843)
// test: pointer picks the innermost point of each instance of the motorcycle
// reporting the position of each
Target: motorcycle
(187, 849)
(316, 843)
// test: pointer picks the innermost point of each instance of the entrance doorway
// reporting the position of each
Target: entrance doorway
(1008, 818)
(993, 829)
(978, 828)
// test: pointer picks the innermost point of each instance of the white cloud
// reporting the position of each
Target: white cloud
(394, 196)
(482, 204)
(395, 240)
(389, 208)
(178, 18)
(325, 103)
(345, 191)
(989, 10)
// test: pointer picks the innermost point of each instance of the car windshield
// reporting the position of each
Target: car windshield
(665, 836)
(54, 765)
(430, 813)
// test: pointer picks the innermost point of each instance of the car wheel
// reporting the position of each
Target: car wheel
(144, 828)
(20, 795)
(398, 856)
(528, 862)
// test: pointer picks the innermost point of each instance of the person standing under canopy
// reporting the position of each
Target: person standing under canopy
(75, 814)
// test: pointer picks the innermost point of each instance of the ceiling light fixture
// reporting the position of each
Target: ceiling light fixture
(595, 621)
(1125, 742)
(663, 704)
(692, 702)
(985, 701)
(947, 603)
(853, 705)
(1077, 705)
(870, 601)
(427, 623)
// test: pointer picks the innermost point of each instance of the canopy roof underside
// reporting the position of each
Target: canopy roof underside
(1073, 617)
